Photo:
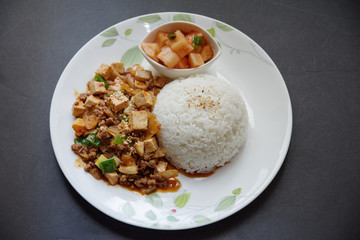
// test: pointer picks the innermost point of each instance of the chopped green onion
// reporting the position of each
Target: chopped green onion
(119, 138)
(125, 118)
(197, 41)
(107, 165)
(93, 140)
(101, 79)
(82, 141)
(90, 139)
(171, 36)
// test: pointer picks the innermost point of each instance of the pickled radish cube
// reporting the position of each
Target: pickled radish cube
(152, 50)
(168, 57)
(206, 53)
(189, 37)
(161, 38)
(184, 51)
(180, 45)
(183, 64)
(195, 60)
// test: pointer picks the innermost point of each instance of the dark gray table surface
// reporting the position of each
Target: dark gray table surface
(316, 46)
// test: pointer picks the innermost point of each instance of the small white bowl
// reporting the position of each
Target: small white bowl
(184, 27)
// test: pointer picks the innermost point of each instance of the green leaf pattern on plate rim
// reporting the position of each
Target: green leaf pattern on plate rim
(211, 31)
(150, 18)
(182, 17)
(226, 203)
(181, 200)
(224, 27)
(151, 215)
(128, 210)
(171, 218)
(108, 42)
(236, 191)
(132, 56)
(201, 219)
(154, 199)
(111, 32)
(128, 31)
(176, 216)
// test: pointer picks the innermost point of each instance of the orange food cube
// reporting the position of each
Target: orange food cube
(79, 126)
(180, 45)
(189, 37)
(206, 53)
(195, 60)
(183, 64)
(168, 57)
(91, 119)
(118, 67)
(161, 39)
(152, 50)
(128, 160)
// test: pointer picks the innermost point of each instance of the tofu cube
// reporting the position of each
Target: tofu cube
(106, 71)
(160, 82)
(139, 120)
(143, 99)
(143, 75)
(180, 45)
(161, 39)
(91, 101)
(91, 119)
(150, 145)
(124, 127)
(79, 127)
(117, 161)
(128, 160)
(118, 102)
(78, 108)
(96, 173)
(168, 57)
(128, 169)
(114, 87)
(140, 85)
(170, 173)
(130, 80)
(113, 177)
(96, 87)
(195, 60)
(118, 67)
(139, 147)
(132, 70)
(206, 53)
(152, 50)
(161, 166)
(130, 108)
(183, 64)
(160, 152)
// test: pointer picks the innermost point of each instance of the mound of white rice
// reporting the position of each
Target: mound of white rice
(203, 122)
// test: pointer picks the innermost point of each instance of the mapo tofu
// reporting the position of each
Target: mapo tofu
(116, 131)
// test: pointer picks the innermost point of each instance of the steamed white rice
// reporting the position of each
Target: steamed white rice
(203, 122)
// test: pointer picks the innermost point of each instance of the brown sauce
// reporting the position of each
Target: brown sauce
(195, 174)
(173, 186)
(79, 163)
(192, 175)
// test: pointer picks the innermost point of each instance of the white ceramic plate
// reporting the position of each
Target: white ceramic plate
(199, 201)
